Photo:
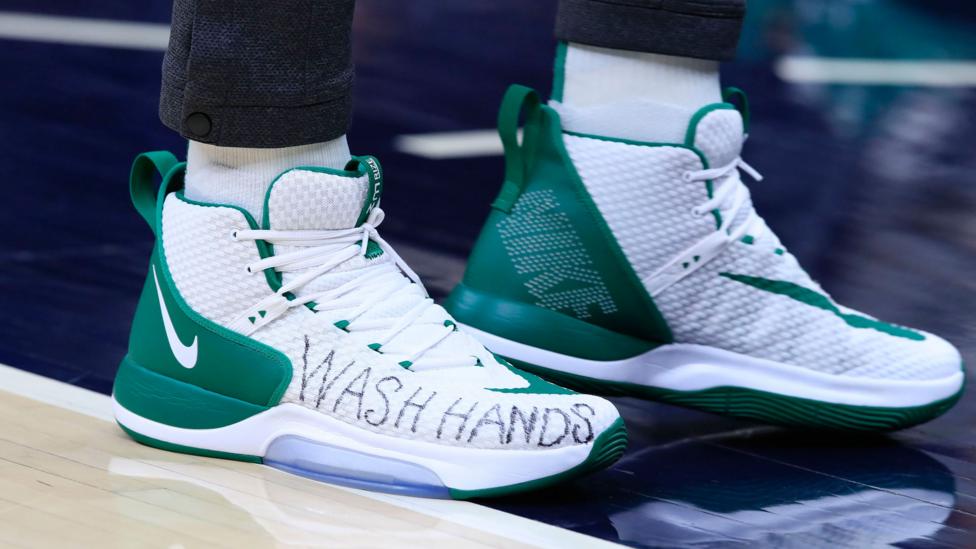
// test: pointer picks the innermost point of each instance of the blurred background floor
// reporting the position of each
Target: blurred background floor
(864, 124)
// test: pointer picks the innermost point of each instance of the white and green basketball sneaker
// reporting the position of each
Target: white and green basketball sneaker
(306, 343)
(636, 268)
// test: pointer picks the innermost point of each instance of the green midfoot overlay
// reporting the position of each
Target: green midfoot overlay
(540, 327)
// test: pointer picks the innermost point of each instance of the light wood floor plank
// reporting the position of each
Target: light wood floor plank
(62, 437)
(70, 479)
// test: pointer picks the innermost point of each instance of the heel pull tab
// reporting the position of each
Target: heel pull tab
(517, 99)
(730, 95)
(369, 166)
(141, 186)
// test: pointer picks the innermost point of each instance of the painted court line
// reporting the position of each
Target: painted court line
(442, 145)
(881, 72)
(469, 515)
(84, 31)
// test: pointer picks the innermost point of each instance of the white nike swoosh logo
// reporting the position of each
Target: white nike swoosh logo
(186, 355)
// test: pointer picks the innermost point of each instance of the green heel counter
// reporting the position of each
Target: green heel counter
(165, 400)
(546, 245)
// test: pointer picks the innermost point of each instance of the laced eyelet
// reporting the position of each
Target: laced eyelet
(697, 212)
(233, 234)
(249, 270)
(686, 176)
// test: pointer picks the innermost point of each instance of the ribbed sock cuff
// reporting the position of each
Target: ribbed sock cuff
(241, 176)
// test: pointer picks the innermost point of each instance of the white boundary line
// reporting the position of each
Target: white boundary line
(57, 393)
(469, 515)
(878, 72)
(84, 31)
(459, 144)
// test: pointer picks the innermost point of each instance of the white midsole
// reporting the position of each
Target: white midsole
(459, 468)
(684, 367)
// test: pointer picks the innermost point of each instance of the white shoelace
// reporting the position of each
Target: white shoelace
(729, 196)
(325, 250)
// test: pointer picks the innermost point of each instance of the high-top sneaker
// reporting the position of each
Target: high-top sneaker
(636, 268)
(305, 343)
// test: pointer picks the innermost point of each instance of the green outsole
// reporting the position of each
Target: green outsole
(607, 449)
(760, 406)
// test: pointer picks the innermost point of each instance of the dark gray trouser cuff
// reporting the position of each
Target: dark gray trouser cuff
(254, 126)
(705, 29)
(267, 74)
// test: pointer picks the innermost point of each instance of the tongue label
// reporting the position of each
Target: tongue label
(370, 166)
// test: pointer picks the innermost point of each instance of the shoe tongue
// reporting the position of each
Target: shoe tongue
(317, 199)
(324, 199)
(718, 132)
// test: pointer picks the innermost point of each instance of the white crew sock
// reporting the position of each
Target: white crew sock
(632, 95)
(241, 177)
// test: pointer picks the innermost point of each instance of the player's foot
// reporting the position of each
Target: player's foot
(306, 343)
(641, 268)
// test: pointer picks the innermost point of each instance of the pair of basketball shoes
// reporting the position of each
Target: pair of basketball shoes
(303, 341)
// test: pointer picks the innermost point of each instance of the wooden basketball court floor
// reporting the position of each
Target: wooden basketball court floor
(69, 477)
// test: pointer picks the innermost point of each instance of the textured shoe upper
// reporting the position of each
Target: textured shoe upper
(752, 297)
(303, 200)
(486, 404)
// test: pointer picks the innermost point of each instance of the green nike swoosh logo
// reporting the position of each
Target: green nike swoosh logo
(820, 301)
(537, 385)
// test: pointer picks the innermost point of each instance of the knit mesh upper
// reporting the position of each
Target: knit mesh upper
(337, 375)
(640, 193)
